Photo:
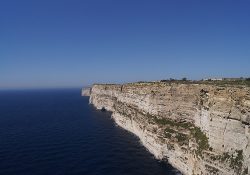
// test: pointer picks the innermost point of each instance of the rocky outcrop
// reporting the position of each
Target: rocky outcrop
(86, 91)
(198, 128)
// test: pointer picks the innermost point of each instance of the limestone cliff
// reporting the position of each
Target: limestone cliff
(86, 91)
(198, 128)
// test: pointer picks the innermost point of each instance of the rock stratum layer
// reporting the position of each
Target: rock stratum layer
(197, 128)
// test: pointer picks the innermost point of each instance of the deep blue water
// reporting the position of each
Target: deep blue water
(56, 132)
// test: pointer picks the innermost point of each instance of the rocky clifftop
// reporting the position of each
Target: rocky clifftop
(198, 128)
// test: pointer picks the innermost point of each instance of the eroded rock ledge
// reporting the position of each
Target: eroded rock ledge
(198, 128)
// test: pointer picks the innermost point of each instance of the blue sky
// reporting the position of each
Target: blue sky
(72, 43)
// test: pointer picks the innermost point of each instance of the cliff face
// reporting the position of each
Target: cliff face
(199, 129)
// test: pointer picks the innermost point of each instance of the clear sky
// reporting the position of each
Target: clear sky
(67, 43)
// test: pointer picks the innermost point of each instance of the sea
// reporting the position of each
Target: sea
(57, 132)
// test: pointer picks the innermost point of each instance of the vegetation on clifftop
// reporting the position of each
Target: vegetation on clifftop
(223, 82)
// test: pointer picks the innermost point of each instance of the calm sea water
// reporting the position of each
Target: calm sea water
(56, 132)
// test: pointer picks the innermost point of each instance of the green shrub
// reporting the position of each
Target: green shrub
(200, 138)
(236, 162)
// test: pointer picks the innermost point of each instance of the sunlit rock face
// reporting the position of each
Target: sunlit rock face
(198, 128)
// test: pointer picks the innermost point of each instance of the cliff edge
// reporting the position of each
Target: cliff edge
(86, 91)
(197, 128)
